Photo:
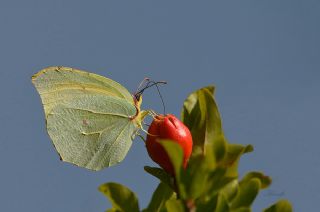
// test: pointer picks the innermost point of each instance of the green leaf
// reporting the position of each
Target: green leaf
(246, 194)
(231, 189)
(175, 154)
(200, 114)
(243, 209)
(199, 180)
(207, 204)
(232, 157)
(121, 198)
(264, 180)
(215, 196)
(90, 119)
(162, 175)
(216, 181)
(195, 177)
(216, 152)
(281, 206)
(159, 198)
(174, 205)
(222, 205)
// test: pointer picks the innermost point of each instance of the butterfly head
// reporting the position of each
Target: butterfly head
(145, 84)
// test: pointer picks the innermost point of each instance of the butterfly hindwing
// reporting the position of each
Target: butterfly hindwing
(89, 117)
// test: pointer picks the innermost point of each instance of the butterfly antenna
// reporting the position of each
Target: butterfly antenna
(144, 84)
(146, 79)
(163, 105)
(147, 83)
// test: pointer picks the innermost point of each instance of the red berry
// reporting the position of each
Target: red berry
(168, 127)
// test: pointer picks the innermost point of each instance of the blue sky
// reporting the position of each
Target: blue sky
(262, 56)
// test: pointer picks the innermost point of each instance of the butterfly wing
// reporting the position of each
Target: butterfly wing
(90, 118)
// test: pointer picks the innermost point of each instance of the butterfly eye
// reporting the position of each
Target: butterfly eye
(137, 97)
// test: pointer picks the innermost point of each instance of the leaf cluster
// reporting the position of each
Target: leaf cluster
(211, 181)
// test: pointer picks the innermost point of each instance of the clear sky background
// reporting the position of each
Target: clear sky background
(262, 56)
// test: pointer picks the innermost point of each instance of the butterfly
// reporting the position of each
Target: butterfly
(90, 119)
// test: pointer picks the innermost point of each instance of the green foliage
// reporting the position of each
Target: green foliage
(159, 198)
(200, 114)
(281, 206)
(211, 180)
(174, 205)
(122, 198)
(162, 175)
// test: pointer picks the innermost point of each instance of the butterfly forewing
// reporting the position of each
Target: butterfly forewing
(89, 117)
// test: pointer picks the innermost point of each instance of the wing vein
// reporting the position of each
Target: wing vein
(109, 149)
(101, 113)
